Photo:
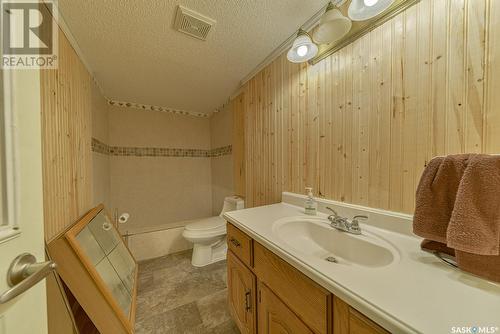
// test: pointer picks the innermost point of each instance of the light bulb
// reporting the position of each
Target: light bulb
(302, 50)
(370, 3)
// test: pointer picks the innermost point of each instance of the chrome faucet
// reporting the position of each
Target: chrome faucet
(343, 224)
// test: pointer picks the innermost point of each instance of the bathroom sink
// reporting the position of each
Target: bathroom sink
(313, 236)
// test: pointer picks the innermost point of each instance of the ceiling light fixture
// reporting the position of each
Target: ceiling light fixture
(303, 48)
(361, 10)
(370, 3)
(332, 25)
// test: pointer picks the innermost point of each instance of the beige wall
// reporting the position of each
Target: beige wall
(221, 132)
(361, 125)
(159, 190)
(101, 180)
(141, 128)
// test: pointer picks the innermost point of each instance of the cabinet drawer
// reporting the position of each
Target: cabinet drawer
(240, 244)
(311, 302)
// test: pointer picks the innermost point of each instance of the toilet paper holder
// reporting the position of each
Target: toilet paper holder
(122, 218)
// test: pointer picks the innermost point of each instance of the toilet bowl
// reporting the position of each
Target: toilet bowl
(209, 235)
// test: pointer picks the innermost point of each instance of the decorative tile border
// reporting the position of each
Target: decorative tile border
(149, 107)
(220, 151)
(100, 147)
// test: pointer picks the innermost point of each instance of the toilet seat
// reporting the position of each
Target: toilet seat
(206, 227)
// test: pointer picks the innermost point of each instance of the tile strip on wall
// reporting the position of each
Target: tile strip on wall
(149, 107)
(100, 147)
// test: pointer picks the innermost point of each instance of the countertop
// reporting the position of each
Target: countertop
(417, 293)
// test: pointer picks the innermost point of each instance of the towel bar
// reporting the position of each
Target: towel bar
(443, 156)
(449, 260)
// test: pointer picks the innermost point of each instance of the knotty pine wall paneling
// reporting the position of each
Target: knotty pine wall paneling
(361, 125)
(66, 141)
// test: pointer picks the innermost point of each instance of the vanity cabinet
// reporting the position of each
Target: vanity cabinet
(287, 301)
(240, 244)
(275, 317)
(304, 297)
(241, 294)
(349, 321)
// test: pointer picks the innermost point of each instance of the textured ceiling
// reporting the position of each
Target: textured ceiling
(137, 56)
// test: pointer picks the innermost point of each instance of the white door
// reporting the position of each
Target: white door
(21, 211)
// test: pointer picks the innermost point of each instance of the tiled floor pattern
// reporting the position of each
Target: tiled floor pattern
(174, 297)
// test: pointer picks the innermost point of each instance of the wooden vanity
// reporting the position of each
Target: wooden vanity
(268, 295)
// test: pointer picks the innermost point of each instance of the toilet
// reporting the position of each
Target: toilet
(209, 235)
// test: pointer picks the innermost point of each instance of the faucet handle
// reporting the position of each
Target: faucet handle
(334, 213)
(354, 226)
(355, 218)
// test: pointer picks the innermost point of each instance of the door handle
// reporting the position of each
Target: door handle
(24, 272)
(248, 301)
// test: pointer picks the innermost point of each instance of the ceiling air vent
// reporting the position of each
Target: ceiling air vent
(192, 23)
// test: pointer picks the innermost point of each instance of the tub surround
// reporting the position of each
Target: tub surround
(221, 135)
(416, 293)
(148, 156)
(101, 178)
(103, 148)
(150, 243)
(159, 167)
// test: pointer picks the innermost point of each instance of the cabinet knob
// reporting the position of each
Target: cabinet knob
(235, 242)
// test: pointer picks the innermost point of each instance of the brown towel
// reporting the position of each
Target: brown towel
(436, 194)
(475, 222)
(486, 266)
(435, 246)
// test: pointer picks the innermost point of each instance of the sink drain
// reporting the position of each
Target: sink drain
(331, 259)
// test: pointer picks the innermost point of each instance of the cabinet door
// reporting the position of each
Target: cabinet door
(241, 294)
(360, 324)
(347, 320)
(312, 304)
(275, 317)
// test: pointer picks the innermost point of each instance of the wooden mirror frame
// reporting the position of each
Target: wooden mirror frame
(127, 320)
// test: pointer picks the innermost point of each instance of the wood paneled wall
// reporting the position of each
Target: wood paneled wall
(66, 141)
(361, 125)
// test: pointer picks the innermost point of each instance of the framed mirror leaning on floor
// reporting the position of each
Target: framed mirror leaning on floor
(99, 271)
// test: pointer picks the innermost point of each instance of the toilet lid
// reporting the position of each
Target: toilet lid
(207, 224)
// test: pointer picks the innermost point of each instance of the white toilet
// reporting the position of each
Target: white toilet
(209, 235)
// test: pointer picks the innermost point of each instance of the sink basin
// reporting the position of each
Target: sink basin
(313, 236)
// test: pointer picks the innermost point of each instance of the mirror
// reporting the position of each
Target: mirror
(104, 254)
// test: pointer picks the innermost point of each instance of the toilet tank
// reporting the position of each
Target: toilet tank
(232, 203)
